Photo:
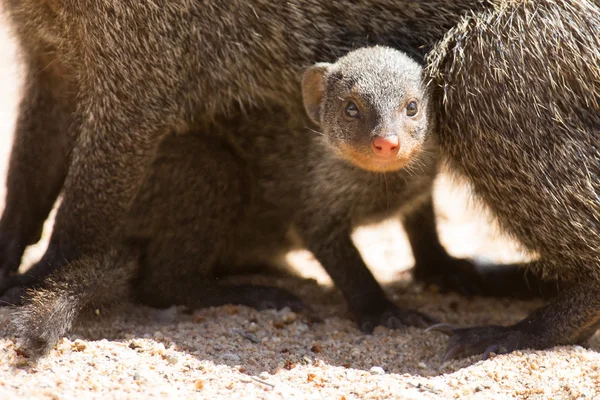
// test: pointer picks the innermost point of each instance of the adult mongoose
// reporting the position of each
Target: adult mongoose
(519, 89)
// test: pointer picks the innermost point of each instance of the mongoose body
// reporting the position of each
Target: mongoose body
(520, 118)
(250, 189)
(107, 80)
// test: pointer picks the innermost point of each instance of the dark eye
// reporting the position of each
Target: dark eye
(351, 110)
(412, 109)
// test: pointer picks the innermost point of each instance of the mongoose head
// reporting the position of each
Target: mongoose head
(371, 105)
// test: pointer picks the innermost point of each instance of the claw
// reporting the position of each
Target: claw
(367, 327)
(453, 352)
(394, 322)
(447, 329)
(489, 350)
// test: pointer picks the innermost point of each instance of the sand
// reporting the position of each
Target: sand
(237, 352)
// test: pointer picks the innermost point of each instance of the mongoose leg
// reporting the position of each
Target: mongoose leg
(572, 317)
(189, 208)
(517, 281)
(433, 265)
(104, 178)
(334, 248)
(535, 167)
(88, 283)
(38, 165)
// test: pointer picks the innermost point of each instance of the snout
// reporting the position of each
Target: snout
(385, 147)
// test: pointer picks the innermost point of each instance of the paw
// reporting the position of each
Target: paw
(394, 317)
(452, 275)
(35, 330)
(484, 340)
(43, 319)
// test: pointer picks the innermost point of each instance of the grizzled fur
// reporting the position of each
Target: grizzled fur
(520, 88)
(349, 80)
(107, 80)
(251, 188)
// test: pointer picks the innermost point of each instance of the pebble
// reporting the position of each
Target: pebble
(377, 371)
(264, 375)
(231, 357)
(172, 360)
(136, 344)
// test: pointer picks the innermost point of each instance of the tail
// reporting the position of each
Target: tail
(50, 311)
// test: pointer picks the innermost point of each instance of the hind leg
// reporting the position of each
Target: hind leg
(433, 265)
(571, 318)
(188, 210)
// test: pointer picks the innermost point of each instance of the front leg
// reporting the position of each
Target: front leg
(332, 245)
(433, 265)
(113, 151)
(571, 318)
(38, 163)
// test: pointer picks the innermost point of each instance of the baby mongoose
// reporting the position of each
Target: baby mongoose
(106, 81)
(260, 185)
(519, 91)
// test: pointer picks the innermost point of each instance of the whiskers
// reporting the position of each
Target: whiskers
(387, 190)
(314, 131)
(416, 167)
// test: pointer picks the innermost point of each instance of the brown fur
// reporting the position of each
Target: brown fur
(520, 92)
(251, 190)
(115, 77)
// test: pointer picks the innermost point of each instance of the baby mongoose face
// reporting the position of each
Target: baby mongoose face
(371, 105)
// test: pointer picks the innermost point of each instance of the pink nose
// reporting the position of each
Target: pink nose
(385, 147)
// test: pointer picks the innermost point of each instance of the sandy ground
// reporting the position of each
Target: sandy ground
(236, 352)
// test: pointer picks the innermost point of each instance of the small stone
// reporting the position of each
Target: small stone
(289, 317)
(534, 366)
(376, 371)
(305, 360)
(135, 345)
(250, 337)
(158, 335)
(79, 345)
(231, 357)
(172, 360)
(199, 384)
(316, 348)
(264, 375)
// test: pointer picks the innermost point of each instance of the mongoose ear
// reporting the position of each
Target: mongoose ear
(313, 87)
